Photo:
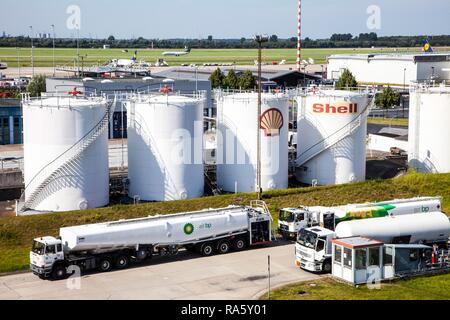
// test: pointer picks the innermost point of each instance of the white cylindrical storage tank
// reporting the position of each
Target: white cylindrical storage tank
(411, 228)
(429, 130)
(165, 147)
(66, 153)
(237, 141)
(331, 139)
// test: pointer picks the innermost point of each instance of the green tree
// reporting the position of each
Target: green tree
(247, 81)
(231, 81)
(347, 81)
(37, 86)
(387, 99)
(217, 79)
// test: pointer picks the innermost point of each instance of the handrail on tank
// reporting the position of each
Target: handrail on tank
(430, 87)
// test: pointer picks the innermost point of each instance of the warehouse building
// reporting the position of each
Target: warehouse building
(398, 70)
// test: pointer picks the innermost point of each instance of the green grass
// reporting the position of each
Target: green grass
(422, 288)
(44, 56)
(17, 233)
(389, 121)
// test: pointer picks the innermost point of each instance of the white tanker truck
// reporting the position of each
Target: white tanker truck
(314, 245)
(115, 244)
(292, 220)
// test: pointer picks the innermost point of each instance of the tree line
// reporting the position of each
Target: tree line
(363, 40)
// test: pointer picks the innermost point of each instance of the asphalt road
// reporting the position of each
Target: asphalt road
(239, 275)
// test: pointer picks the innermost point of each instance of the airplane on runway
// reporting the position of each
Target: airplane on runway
(179, 53)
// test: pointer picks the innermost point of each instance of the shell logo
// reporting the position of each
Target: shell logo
(271, 122)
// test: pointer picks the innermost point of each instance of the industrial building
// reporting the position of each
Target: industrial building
(397, 70)
(10, 122)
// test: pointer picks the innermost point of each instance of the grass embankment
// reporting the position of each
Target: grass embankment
(17, 233)
(389, 121)
(423, 288)
(43, 57)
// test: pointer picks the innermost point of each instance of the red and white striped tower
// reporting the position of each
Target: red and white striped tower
(299, 43)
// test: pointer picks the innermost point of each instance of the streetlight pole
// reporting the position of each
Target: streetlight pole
(53, 30)
(32, 50)
(260, 39)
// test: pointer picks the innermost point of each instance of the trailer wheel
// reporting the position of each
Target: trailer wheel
(223, 247)
(239, 244)
(59, 272)
(105, 265)
(207, 250)
(122, 262)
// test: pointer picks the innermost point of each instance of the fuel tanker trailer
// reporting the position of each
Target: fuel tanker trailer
(105, 246)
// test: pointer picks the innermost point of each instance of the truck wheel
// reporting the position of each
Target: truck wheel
(122, 262)
(326, 266)
(223, 247)
(59, 272)
(207, 250)
(105, 265)
(239, 244)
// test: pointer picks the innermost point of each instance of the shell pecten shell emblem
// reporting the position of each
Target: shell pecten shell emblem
(271, 122)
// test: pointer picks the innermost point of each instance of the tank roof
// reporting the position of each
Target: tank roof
(65, 101)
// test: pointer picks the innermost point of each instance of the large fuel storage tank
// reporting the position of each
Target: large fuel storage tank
(237, 141)
(165, 147)
(65, 153)
(429, 129)
(331, 139)
(411, 228)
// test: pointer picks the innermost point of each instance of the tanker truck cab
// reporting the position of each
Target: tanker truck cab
(313, 249)
(290, 221)
(45, 255)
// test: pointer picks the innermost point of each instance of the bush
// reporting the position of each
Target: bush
(37, 86)
(347, 81)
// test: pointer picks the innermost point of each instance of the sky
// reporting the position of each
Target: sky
(159, 19)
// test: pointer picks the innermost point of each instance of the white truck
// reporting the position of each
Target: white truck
(291, 220)
(314, 245)
(115, 244)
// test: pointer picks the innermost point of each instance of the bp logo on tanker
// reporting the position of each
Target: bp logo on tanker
(188, 229)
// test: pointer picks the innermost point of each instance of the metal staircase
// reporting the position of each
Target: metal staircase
(57, 168)
(334, 138)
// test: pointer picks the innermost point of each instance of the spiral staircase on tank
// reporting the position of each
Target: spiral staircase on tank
(335, 137)
(57, 168)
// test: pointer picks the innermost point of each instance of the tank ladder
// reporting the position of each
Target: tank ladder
(334, 138)
(60, 166)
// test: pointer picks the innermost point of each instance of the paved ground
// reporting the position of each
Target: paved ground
(241, 275)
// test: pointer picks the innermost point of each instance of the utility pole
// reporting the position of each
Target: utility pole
(32, 50)
(260, 39)
(53, 30)
(299, 36)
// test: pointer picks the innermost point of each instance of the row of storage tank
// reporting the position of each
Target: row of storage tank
(66, 145)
